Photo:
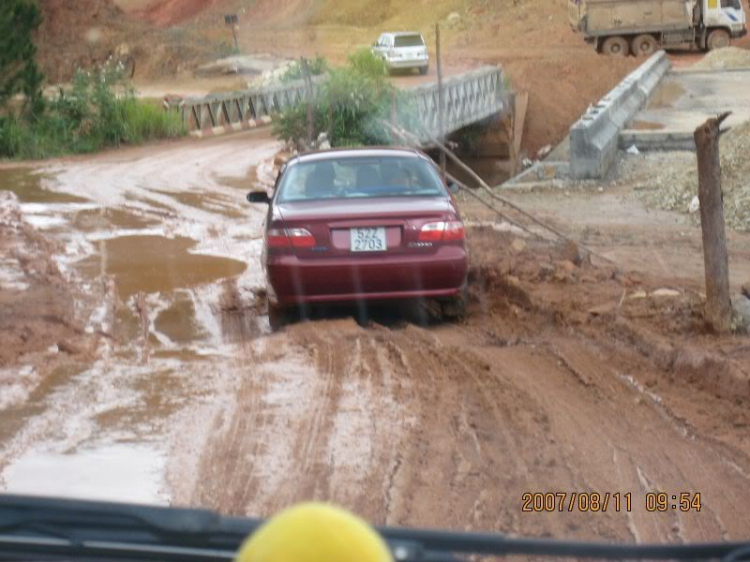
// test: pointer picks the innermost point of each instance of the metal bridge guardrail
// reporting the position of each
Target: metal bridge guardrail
(252, 106)
(468, 98)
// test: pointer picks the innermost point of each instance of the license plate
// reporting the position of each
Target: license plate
(369, 239)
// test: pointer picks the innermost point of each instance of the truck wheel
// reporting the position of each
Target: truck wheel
(644, 45)
(717, 39)
(615, 46)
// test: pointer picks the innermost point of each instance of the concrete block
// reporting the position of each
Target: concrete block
(594, 138)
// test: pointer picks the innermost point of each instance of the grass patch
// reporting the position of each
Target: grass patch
(145, 121)
(99, 111)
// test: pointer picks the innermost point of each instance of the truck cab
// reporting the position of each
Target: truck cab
(723, 20)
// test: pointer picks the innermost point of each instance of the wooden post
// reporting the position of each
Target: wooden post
(394, 112)
(441, 105)
(718, 313)
(233, 21)
(234, 34)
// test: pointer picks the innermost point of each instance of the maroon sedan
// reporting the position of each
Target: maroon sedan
(362, 225)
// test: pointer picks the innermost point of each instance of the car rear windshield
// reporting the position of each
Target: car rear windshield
(353, 177)
(409, 41)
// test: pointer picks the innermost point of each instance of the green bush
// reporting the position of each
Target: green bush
(363, 61)
(100, 110)
(350, 107)
(317, 66)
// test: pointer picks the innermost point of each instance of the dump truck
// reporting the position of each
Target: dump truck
(641, 27)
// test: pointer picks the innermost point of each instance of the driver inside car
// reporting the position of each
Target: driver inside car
(320, 183)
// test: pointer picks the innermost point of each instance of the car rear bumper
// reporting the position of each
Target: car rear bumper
(295, 281)
(408, 63)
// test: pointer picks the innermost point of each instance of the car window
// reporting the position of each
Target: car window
(409, 41)
(344, 178)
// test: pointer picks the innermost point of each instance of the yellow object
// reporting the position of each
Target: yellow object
(314, 532)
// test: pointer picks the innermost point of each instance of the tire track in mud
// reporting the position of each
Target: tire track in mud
(438, 428)
(318, 431)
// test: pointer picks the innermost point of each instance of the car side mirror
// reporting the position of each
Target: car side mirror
(453, 187)
(258, 197)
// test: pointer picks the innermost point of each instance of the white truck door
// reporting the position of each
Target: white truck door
(727, 14)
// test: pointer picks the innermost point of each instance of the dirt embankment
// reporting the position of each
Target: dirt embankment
(168, 12)
(77, 35)
(87, 33)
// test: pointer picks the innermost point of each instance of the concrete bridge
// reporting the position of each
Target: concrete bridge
(467, 98)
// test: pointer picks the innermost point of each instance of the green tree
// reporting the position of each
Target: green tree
(19, 19)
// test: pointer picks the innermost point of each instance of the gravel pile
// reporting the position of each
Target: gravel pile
(728, 57)
(672, 182)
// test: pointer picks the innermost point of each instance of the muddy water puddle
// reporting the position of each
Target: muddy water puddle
(92, 220)
(156, 264)
(27, 185)
(96, 473)
(666, 95)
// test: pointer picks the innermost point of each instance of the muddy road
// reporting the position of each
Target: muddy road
(138, 365)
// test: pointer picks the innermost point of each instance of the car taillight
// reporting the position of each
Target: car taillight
(454, 230)
(300, 237)
(442, 231)
(277, 238)
(286, 237)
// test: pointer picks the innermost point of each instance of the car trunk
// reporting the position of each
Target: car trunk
(409, 47)
(409, 52)
(331, 223)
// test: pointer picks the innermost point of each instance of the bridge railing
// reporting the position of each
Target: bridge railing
(254, 105)
(467, 98)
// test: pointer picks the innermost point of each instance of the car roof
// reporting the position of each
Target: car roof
(400, 33)
(337, 153)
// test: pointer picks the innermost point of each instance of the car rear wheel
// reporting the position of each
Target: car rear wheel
(454, 308)
(615, 46)
(277, 316)
(424, 70)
